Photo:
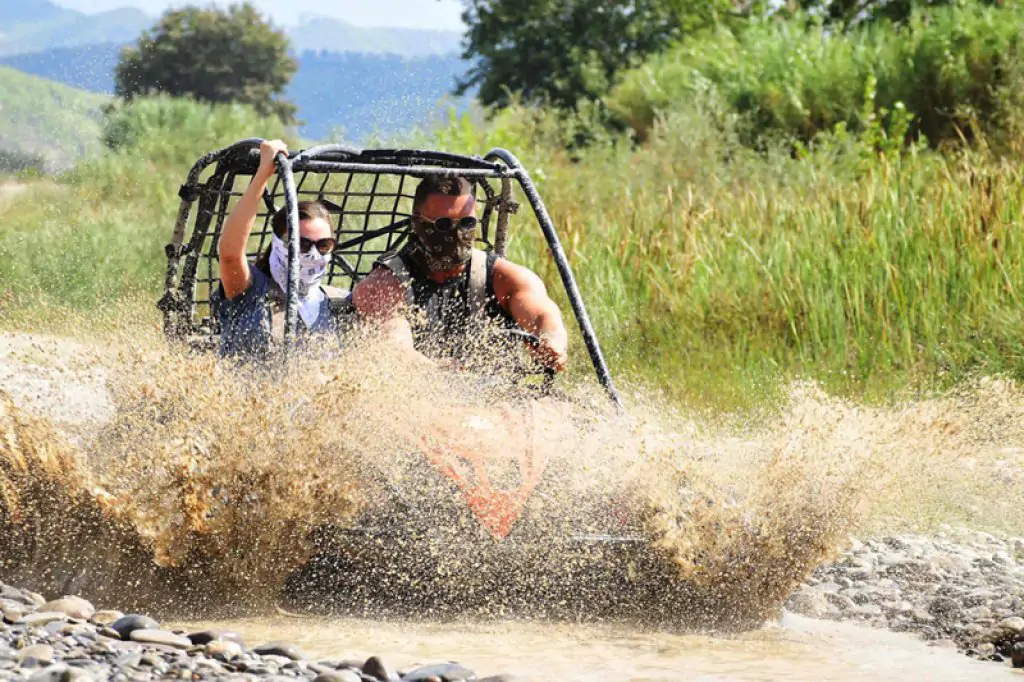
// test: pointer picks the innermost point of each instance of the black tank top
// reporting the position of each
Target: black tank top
(441, 316)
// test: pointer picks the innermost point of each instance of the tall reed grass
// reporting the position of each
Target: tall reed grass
(712, 271)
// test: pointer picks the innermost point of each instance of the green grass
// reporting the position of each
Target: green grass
(47, 119)
(713, 273)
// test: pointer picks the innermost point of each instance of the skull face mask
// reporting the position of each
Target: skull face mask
(444, 244)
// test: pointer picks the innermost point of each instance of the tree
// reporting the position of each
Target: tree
(212, 55)
(849, 13)
(565, 51)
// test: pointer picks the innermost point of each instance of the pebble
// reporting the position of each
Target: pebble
(155, 636)
(338, 676)
(283, 649)
(74, 607)
(445, 672)
(41, 653)
(125, 625)
(378, 670)
(223, 650)
(41, 618)
(105, 617)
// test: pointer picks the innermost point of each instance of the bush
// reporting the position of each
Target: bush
(950, 67)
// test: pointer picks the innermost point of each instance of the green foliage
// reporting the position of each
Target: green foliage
(951, 69)
(48, 120)
(564, 51)
(712, 271)
(211, 55)
(94, 239)
(850, 13)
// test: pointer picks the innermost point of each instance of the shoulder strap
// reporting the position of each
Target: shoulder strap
(477, 283)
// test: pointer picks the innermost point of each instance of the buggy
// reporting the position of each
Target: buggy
(369, 193)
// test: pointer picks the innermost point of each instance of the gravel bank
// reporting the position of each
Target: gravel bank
(962, 589)
(67, 639)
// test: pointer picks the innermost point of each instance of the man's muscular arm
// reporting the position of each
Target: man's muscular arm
(523, 295)
(380, 299)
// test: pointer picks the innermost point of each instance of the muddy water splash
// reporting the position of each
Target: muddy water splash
(209, 487)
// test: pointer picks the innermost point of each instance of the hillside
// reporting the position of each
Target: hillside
(355, 92)
(38, 25)
(40, 117)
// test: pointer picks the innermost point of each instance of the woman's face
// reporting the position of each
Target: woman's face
(315, 228)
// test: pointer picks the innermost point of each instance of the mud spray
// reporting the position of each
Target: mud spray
(218, 491)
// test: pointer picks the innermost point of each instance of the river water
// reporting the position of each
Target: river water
(794, 649)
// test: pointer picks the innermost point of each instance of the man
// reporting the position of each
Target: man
(250, 302)
(434, 294)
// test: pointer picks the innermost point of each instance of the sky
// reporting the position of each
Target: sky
(435, 14)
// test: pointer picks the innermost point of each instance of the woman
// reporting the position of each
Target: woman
(250, 301)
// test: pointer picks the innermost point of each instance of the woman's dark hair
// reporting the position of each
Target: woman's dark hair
(308, 210)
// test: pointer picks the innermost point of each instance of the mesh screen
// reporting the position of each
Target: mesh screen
(369, 215)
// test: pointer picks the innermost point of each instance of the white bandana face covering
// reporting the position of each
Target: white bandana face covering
(312, 267)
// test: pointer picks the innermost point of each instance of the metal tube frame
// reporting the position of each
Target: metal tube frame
(497, 163)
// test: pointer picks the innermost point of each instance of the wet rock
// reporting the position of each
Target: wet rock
(125, 625)
(154, 636)
(445, 672)
(284, 649)
(1017, 655)
(378, 670)
(74, 607)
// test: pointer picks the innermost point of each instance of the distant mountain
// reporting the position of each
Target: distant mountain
(90, 67)
(319, 34)
(39, 25)
(28, 26)
(360, 94)
(25, 11)
(40, 117)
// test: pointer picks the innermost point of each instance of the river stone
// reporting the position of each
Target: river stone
(1017, 655)
(154, 636)
(1006, 629)
(74, 607)
(41, 654)
(41, 618)
(125, 625)
(223, 650)
(944, 609)
(105, 617)
(809, 601)
(377, 669)
(283, 649)
(446, 672)
(338, 676)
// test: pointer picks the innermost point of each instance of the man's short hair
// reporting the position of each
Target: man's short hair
(308, 210)
(447, 185)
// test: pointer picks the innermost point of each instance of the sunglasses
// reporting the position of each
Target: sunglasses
(324, 246)
(446, 224)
